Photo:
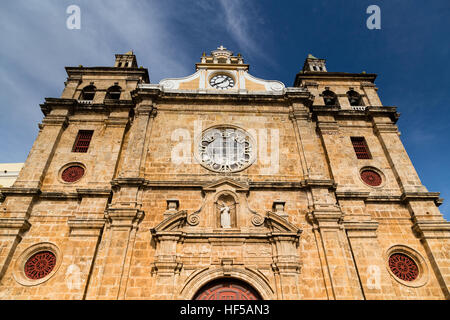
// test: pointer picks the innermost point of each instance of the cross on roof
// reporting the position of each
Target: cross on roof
(221, 47)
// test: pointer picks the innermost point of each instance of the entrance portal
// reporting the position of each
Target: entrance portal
(227, 289)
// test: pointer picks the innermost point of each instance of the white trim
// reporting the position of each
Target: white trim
(270, 85)
(174, 83)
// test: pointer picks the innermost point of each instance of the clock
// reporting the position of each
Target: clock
(221, 82)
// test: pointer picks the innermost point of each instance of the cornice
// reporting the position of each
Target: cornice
(74, 105)
(400, 198)
(17, 191)
(79, 71)
(158, 94)
(368, 112)
(344, 76)
(301, 184)
(432, 229)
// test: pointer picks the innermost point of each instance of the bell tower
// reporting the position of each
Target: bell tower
(127, 60)
(314, 64)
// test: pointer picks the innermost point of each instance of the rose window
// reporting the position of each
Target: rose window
(403, 267)
(226, 149)
(40, 265)
(72, 173)
(371, 177)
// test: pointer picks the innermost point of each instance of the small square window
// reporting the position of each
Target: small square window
(82, 141)
(361, 148)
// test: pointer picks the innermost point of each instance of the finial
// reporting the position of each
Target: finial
(204, 54)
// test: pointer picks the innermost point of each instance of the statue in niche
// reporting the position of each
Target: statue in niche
(225, 218)
(226, 211)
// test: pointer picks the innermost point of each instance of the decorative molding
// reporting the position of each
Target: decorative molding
(361, 229)
(17, 191)
(432, 229)
(123, 217)
(85, 227)
(14, 226)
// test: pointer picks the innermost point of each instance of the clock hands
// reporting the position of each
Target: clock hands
(222, 82)
(217, 83)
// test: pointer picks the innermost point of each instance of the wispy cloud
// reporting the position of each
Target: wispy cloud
(36, 45)
(246, 26)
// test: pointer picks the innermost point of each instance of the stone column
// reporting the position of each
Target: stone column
(286, 266)
(124, 214)
(375, 281)
(311, 153)
(327, 216)
(16, 207)
(167, 265)
(139, 135)
(395, 152)
(116, 248)
(85, 235)
(370, 91)
(434, 233)
(51, 129)
(340, 266)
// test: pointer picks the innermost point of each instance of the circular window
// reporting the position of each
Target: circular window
(72, 173)
(40, 265)
(37, 264)
(403, 267)
(226, 149)
(371, 177)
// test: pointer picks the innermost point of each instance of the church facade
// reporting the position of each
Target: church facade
(220, 185)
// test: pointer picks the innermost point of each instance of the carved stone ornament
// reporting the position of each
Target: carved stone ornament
(226, 149)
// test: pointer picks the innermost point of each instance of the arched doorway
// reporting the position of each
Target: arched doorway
(227, 289)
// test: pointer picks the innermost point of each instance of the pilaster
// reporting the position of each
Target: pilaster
(139, 136)
(340, 270)
(434, 233)
(110, 274)
(395, 152)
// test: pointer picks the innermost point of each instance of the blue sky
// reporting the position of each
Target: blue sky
(410, 54)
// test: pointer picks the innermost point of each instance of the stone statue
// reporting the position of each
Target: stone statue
(225, 218)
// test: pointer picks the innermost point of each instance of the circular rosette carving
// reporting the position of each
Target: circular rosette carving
(226, 149)
(40, 265)
(167, 84)
(72, 173)
(257, 220)
(403, 267)
(193, 219)
(275, 86)
(371, 177)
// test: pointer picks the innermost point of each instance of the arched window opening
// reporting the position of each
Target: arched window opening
(354, 98)
(114, 92)
(330, 98)
(88, 93)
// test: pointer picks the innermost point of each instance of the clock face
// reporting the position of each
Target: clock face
(221, 82)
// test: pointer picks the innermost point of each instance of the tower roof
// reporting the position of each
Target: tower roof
(223, 58)
(314, 64)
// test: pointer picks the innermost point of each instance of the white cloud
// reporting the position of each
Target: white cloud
(245, 25)
(36, 46)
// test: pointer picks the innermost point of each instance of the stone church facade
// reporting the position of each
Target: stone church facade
(220, 185)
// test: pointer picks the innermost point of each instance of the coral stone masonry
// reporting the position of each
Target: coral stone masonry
(220, 185)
